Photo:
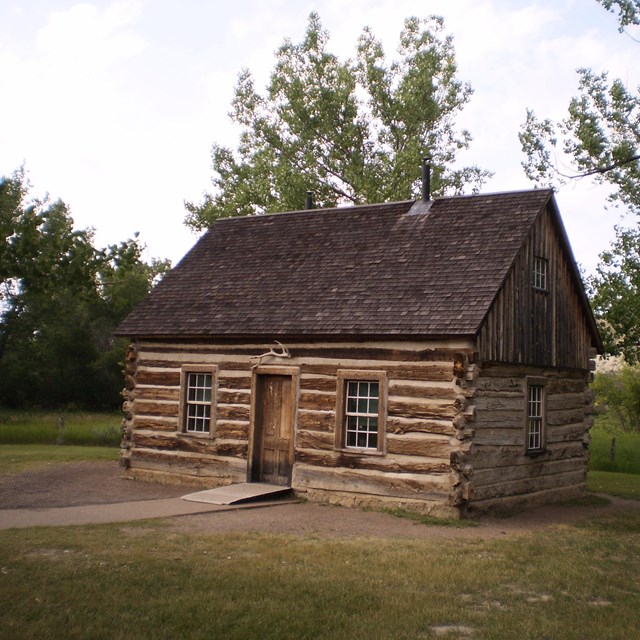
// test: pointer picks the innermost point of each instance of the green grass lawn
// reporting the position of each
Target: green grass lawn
(18, 457)
(156, 580)
(58, 427)
(150, 580)
(31, 438)
(624, 485)
(627, 450)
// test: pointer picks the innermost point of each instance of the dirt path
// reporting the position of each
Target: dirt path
(325, 521)
(73, 484)
(70, 484)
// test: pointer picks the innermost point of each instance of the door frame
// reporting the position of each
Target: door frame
(253, 455)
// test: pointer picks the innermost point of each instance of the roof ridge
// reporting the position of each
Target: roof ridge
(497, 193)
(349, 208)
(377, 205)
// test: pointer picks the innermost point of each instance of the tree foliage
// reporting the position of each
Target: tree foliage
(619, 392)
(351, 131)
(628, 11)
(615, 295)
(601, 136)
(60, 300)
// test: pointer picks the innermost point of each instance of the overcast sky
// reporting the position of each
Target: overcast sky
(113, 105)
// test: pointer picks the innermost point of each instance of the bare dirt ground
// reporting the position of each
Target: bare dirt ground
(71, 484)
(74, 484)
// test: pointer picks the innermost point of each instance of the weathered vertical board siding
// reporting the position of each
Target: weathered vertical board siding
(498, 470)
(423, 394)
(528, 326)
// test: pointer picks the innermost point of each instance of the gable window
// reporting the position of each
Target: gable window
(361, 411)
(198, 393)
(540, 268)
(536, 417)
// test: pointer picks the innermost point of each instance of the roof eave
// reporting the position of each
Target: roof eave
(306, 337)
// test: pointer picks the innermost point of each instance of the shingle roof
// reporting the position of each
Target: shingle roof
(365, 270)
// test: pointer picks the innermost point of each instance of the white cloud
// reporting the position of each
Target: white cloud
(114, 104)
(85, 36)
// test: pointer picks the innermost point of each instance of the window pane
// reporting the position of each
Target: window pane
(198, 402)
(540, 273)
(361, 414)
(534, 417)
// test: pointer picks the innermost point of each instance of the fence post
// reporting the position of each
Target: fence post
(612, 451)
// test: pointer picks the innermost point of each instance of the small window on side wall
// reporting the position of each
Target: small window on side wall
(535, 429)
(361, 411)
(540, 273)
(198, 385)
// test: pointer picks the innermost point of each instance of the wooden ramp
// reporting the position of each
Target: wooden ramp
(235, 493)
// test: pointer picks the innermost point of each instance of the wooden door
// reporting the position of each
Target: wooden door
(273, 435)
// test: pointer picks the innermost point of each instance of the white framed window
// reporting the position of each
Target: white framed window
(361, 411)
(535, 431)
(198, 400)
(361, 414)
(540, 273)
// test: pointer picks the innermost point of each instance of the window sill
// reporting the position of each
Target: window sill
(535, 453)
(202, 436)
(354, 451)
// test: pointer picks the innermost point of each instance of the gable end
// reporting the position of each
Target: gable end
(541, 315)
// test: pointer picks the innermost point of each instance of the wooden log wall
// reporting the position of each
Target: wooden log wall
(496, 469)
(528, 326)
(424, 399)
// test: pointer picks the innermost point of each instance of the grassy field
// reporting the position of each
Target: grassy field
(627, 449)
(18, 457)
(31, 438)
(625, 485)
(69, 428)
(152, 581)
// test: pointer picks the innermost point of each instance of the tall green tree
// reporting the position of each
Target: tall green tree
(600, 136)
(615, 295)
(60, 299)
(351, 131)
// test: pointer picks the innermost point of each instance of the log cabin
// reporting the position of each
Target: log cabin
(432, 355)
